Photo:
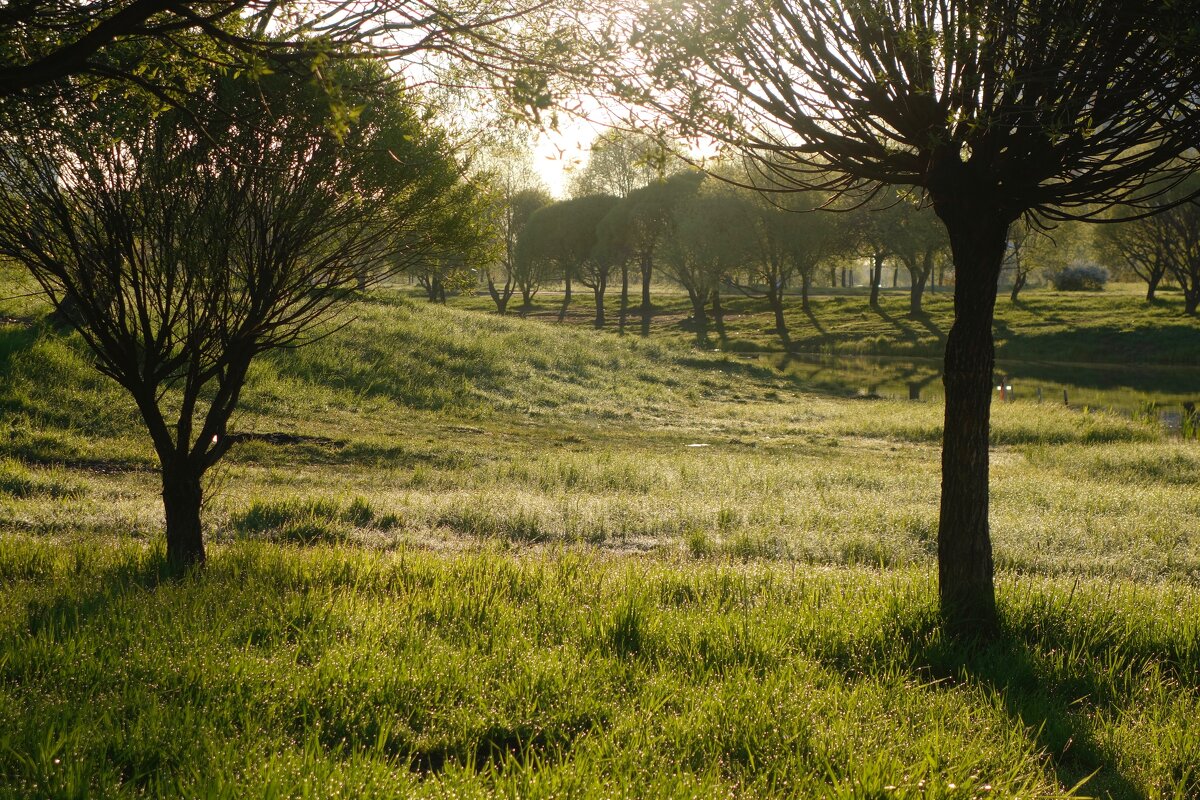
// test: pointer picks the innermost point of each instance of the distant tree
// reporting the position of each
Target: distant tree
(788, 241)
(874, 226)
(511, 209)
(562, 236)
(623, 161)
(1017, 258)
(1165, 245)
(1055, 108)
(706, 238)
(636, 225)
(918, 242)
(606, 253)
(187, 255)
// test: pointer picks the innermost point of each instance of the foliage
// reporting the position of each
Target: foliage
(1079, 278)
(181, 255)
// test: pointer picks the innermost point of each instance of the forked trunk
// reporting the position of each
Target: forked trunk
(1152, 287)
(965, 569)
(182, 495)
(876, 278)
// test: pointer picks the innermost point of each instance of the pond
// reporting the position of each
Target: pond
(1125, 389)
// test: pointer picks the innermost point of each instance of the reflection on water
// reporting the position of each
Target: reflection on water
(1121, 388)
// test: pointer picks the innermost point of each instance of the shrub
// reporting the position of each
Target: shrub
(1080, 277)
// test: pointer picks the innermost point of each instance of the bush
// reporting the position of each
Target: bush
(1080, 278)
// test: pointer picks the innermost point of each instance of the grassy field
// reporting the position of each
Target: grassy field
(1113, 326)
(468, 556)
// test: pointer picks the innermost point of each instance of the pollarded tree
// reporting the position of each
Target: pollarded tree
(187, 254)
(706, 239)
(511, 210)
(994, 108)
(563, 234)
(918, 242)
(1166, 245)
(787, 243)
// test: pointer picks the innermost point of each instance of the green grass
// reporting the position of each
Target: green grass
(1113, 326)
(322, 672)
(474, 556)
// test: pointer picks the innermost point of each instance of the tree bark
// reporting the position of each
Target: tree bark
(598, 291)
(699, 315)
(1018, 285)
(718, 314)
(624, 311)
(182, 496)
(876, 277)
(915, 292)
(1152, 287)
(647, 273)
(775, 297)
(562, 312)
(805, 285)
(978, 236)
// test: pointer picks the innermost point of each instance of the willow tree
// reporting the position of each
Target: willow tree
(995, 109)
(186, 255)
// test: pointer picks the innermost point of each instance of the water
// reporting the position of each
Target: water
(1123, 389)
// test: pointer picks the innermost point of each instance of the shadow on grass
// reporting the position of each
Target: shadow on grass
(66, 613)
(1055, 710)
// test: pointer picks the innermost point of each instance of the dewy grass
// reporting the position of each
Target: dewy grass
(341, 671)
(467, 556)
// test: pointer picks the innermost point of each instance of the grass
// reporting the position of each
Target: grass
(1113, 326)
(466, 556)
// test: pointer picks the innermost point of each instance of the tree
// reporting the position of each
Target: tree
(563, 234)
(994, 109)
(511, 210)
(187, 254)
(636, 225)
(918, 242)
(706, 238)
(1166, 244)
(786, 243)
(623, 161)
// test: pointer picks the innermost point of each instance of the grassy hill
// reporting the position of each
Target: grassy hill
(1113, 326)
(460, 555)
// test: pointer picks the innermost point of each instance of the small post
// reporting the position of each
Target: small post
(1039, 394)
(1065, 402)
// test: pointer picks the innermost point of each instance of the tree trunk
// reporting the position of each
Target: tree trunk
(895, 277)
(914, 293)
(876, 278)
(181, 495)
(805, 285)
(1018, 285)
(718, 314)
(978, 236)
(598, 291)
(647, 273)
(562, 312)
(1152, 287)
(775, 298)
(833, 278)
(699, 315)
(624, 312)
(1191, 299)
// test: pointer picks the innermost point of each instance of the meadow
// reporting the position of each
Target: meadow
(457, 555)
